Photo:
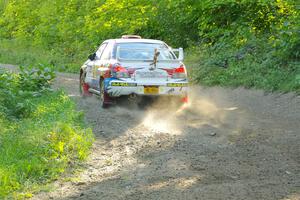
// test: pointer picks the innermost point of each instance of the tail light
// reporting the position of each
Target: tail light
(179, 72)
(119, 72)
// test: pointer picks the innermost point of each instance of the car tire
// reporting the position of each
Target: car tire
(83, 87)
(103, 95)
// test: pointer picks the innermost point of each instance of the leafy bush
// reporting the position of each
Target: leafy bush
(252, 66)
(36, 79)
(17, 90)
(41, 133)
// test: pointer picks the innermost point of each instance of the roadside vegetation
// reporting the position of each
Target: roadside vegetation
(254, 44)
(230, 43)
(41, 133)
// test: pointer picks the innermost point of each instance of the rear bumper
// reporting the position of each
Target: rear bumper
(116, 88)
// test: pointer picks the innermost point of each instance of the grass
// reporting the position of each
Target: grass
(37, 149)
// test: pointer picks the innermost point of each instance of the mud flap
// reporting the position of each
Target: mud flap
(84, 87)
(185, 99)
(107, 99)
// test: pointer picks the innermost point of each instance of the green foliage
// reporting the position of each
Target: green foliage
(18, 90)
(63, 33)
(41, 134)
(23, 53)
(253, 66)
(35, 79)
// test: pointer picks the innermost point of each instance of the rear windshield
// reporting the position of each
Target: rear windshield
(143, 51)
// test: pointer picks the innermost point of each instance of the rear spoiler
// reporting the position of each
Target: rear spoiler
(180, 53)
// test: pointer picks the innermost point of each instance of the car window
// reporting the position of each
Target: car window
(143, 51)
(100, 50)
(106, 53)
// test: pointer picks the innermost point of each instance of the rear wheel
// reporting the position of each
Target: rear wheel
(83, 87)
(104, 98)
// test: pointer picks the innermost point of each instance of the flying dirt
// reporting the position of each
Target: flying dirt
(225, 144)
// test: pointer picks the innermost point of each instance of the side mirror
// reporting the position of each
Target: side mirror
(92, 56)
(180, 53)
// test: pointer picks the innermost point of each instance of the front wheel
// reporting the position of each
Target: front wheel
(104, 98)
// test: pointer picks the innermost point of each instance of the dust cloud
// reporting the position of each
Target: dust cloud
(168, 116)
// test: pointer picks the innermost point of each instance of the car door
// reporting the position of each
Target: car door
(101, 67)
(93, 65)
(105, 61)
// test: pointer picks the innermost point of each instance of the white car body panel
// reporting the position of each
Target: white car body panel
(145, 75)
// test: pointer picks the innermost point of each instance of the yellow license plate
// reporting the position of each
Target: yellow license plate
(151, 90)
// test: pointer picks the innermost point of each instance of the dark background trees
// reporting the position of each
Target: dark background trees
(263, 35)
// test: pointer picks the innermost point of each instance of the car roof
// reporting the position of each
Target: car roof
(135, 40)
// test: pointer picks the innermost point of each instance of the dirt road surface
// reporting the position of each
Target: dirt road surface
(227, 144)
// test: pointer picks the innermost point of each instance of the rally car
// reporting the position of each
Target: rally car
(134, 67)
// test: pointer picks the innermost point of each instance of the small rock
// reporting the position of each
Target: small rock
(288, 172)
(82, 194)
(234, 177)
(80, 183)
(213, 134)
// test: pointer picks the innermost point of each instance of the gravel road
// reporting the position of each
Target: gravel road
(226, 144)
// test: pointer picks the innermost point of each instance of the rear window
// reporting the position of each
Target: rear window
(143, 51)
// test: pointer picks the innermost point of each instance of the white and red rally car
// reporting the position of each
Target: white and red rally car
(132, 66)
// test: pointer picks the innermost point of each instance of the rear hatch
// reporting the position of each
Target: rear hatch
(151, 63)
(147, 72)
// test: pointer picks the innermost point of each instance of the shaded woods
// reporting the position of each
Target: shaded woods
(231, 43)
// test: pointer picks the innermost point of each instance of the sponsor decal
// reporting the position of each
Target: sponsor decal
(123, 84)
(177, 84)
(170, 91)
(107, 82)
